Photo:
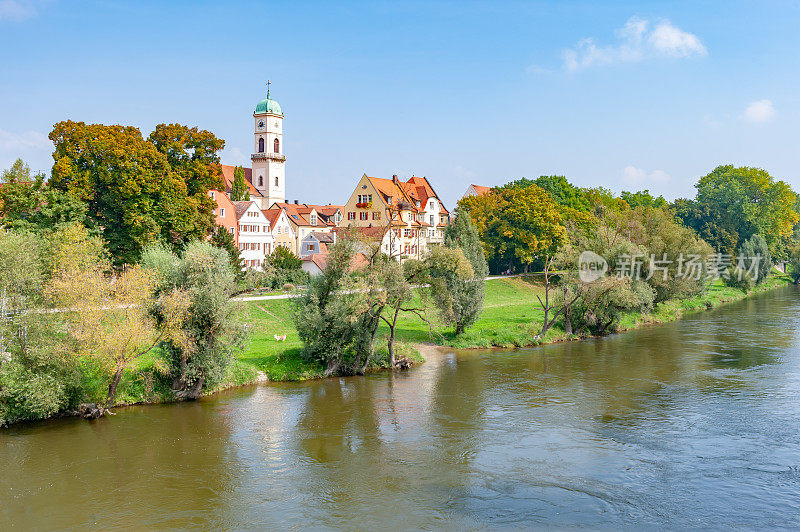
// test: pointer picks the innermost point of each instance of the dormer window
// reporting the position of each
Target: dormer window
(313, 219)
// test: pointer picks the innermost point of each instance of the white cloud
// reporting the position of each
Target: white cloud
(759, 112)
(16, 10)
(33, 147)
(636, 42)
(638, 176)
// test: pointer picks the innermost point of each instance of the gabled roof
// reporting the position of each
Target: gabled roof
(481, 190)
(273, 215)
(241, 207)
(357, 262)
(324, 238)
(299, 214)
(227, 178)
(376, 232)
(424, 191)
(390, 188)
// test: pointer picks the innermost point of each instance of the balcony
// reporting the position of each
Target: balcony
(268, 155)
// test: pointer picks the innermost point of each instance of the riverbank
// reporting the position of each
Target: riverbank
(511, 318)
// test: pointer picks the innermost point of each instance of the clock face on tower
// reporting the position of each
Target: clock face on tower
(260, 124)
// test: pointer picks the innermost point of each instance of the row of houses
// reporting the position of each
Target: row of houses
(403, 217)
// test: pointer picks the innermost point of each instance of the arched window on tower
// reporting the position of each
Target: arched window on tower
(261, 180)
(276, 181)
(261, 145)
(277, 146)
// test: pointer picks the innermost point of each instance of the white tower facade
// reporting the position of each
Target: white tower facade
(269, 175)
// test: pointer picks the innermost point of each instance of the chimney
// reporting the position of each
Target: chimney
(395, 180)
(296, 201)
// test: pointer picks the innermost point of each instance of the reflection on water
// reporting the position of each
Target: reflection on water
(693, 424)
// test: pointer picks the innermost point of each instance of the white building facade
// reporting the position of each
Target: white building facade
(256, 240)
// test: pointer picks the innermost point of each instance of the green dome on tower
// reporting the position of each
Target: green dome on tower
(268, 105)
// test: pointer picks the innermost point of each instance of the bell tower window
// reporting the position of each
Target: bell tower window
(261, 145)
(261, 180)
(276, 146)
(276, 181)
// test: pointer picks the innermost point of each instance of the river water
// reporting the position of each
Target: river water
(692, 424)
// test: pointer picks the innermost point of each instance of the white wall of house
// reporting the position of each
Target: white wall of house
(255, 237)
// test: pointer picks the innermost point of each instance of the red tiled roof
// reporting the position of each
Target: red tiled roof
(273, 215)
(480, 190)
(357, 262)
(298, 214)
(241, 207)
(227, 178)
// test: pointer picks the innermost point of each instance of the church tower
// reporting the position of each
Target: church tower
(268, 159)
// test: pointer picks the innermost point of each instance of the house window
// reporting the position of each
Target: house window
(213, 195)
(230, 229)
(363, 216)
(351, 216)
(261, 145)
(309, 247)
(431, 219)
(222, 212)
(389, 200)
(276, 146)
(376, 215)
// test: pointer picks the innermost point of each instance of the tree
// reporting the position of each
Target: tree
(752, 265)
(200, 356)
(642, 198)
(38, 366)
(283, 259)
(747, 201)
(28, 204)
(601, 303)
(111, 319)
(326, 314)
(239, 189)
(794, 263)
(138, 190)
(702, 218)
(563, 192)
(517, 223)
(223, 239)
(449, 280)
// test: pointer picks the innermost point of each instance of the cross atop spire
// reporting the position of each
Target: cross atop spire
(268, 84)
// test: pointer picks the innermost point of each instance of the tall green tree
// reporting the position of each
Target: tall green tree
(748, 201)
(239, 189)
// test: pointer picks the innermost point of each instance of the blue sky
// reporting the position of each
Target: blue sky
(627, 95)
